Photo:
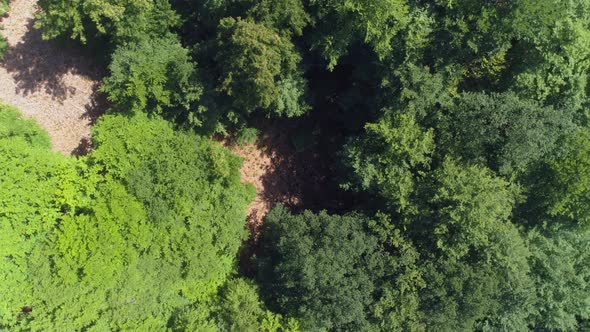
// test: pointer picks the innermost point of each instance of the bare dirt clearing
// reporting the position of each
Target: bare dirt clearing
(54, 84)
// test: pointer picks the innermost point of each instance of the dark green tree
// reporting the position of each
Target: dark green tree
(342, 24)
(339, 272)
(154, 75)
(560, 268)
(258, 69)
(502, 131)
(320, 268)
(566, 187)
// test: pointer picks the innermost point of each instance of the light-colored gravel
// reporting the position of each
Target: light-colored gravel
(54, 84)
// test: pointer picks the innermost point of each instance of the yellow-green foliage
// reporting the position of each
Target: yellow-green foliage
(148, 225)
(36, 188)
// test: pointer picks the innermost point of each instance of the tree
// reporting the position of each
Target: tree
(502, 131)
(286, 16)
(470, 206)
(119, 21)
(566, 188)
(319, 268)
(241, 310)
(156, 75)
(387, 159)
(37, 189)
(552, 51)
(560, 270)
(258, 69)
(147, 226)
(189, 186)
(478, 278)
(339, 272)
(340, 24)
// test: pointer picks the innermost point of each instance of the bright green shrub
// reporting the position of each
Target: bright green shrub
(146, 227)
(240, 309)
(14, 125)
(38, 189)
(4, 7)
(386, 158)
(191, 190)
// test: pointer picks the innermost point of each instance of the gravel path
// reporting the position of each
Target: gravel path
(56, 85)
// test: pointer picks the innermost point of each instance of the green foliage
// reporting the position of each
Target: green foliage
(342, 23)
(478, 293)
(286, 16)
(567, 188)
(156, 75)
(4, 7)
(388, 157)
(14, 126)
(247, 135)
(240, 307)
(189, 185)
(37, 189)
(3, 47)
(258, 68)
(561, 268)
(315, 266)
(480, 277)
(554, 48)
(240, 310)
(398, 305)
(120, 21)
(502, 131)
(472, 206)
(146, 227)
(143, 233)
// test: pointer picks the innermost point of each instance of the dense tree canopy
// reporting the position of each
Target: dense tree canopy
(452, 138)
(106, 233)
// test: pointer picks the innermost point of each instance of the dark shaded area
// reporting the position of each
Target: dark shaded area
(305, 150)
(83, 148)
(97, 106)
(37, 65)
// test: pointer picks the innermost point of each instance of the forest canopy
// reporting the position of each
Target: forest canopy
(454, 137)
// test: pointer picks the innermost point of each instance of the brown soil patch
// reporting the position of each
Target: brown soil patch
(56, 85)
(267, 166)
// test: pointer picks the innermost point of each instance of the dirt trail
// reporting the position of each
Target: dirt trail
(54, 84)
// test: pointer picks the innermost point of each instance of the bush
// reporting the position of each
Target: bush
(147, 226)
(155, 75)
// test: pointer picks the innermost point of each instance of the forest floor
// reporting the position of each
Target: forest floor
(53, 83)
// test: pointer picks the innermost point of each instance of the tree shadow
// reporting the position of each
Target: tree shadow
(92, 111)
(302, 175)
(97, 106)
(41, 65)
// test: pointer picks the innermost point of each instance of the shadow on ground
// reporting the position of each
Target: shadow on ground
(41, 65)
(301, 176)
